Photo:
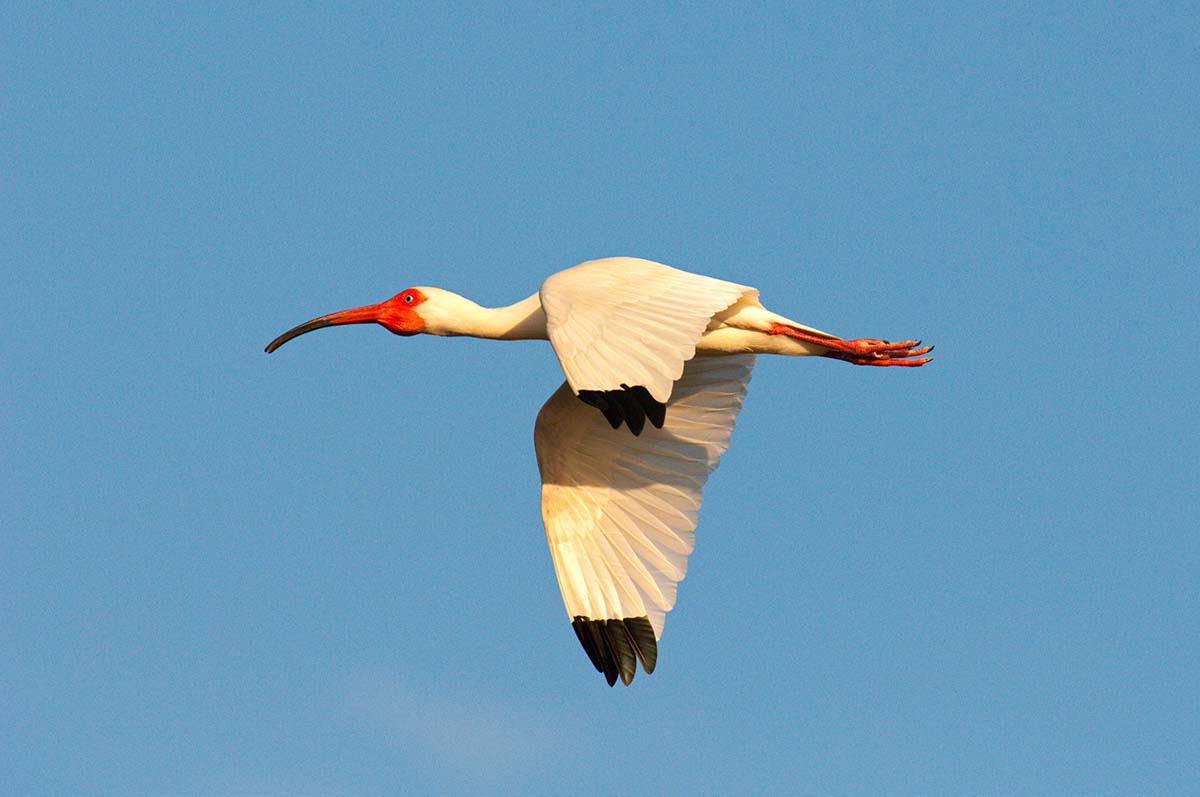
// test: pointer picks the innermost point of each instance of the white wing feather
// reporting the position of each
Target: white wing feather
(625, 321)
(620, 510)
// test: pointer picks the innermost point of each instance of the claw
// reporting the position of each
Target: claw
(868, 351)
(906, 363)
(879, 361)
(862, 351)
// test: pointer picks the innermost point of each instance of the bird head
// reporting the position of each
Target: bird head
(398, 315)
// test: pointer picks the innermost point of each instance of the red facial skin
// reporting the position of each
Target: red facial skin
(397, 315)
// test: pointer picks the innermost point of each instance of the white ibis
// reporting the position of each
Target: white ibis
(638, 341)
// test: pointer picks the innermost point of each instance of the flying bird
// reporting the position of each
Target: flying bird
(667, 355)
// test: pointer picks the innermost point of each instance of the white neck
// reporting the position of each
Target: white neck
(447, 313)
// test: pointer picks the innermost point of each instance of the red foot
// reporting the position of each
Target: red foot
(862, 351)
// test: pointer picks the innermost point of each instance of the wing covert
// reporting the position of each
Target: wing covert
(622, 323)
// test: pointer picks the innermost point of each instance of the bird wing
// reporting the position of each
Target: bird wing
(624, 327)
(620, 511)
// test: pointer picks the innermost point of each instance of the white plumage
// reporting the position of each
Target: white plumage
(663, 352)
(608, 329)
(620, 511)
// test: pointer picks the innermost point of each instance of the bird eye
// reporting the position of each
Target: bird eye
(408, 298)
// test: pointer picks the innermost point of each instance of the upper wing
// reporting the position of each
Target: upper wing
(620, 510)
(623, 328)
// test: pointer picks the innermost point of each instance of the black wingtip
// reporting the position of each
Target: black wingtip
(616, 646)
(630, 405)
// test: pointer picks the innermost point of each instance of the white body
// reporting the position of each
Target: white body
(638, 341)
(620, 510)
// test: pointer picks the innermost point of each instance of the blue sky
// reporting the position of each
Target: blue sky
(323, 571)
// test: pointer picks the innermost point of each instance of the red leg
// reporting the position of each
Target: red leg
(861, 351)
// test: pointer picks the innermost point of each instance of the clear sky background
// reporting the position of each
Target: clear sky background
(323, 571)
